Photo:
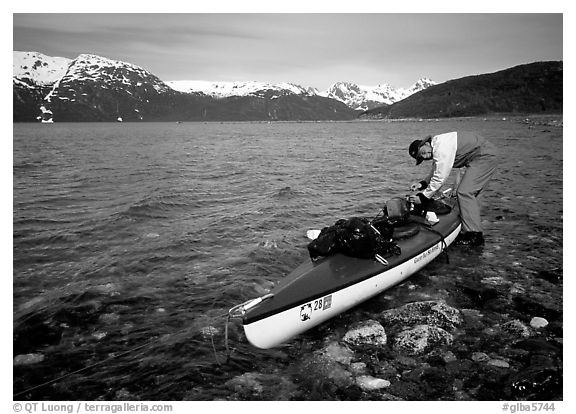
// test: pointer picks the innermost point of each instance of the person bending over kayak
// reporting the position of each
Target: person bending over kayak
(457, 150)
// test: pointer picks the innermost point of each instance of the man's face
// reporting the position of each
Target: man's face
(425, 151)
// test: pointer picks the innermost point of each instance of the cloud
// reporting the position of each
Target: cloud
(366, 48)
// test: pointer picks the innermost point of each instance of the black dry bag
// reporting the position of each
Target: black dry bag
(354, 237)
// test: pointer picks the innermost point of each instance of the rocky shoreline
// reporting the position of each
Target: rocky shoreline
(424, 350)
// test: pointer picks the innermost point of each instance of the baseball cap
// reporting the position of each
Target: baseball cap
(413, 150)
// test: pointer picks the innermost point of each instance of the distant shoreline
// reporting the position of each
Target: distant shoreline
(527, 118)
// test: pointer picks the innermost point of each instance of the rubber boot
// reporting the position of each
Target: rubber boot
(471, 238)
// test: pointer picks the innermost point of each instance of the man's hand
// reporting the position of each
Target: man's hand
(419, 199)
(418, 185)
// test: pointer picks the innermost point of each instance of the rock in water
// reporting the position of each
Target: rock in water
(337, 353)
(479, 357)
(209, 331)
(434, 313)
(538, 322)
(368, 383)
(312, 234)
(28, 359)
(329, 365)
(517, 328)
(369, 332)
(448, 357)
(358, 368)
(420, 339)
(498, 363)
(249, 381)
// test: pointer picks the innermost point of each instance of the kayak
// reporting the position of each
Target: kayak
(319, 290)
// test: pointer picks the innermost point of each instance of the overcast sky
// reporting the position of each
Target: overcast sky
(307, 49)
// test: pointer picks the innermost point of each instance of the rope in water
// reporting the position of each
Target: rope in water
(83, 369)
(136, 348)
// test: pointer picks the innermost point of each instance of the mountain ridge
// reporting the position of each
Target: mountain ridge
(357, 97)
(529, 88)
(94, 88)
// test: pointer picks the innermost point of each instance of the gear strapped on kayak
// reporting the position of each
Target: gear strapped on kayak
(373, 238)
(354, 237)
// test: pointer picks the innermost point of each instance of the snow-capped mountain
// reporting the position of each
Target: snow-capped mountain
(228, 89)
(362, 97)
(89, 87)
(94, 88)
(45, 70)
(89, 68)
(61, 81)
(420, 85)
(355, 96)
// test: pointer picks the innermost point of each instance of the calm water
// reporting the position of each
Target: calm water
(132, 240)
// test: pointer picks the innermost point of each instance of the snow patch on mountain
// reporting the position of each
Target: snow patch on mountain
(222, 89)
(36, 67)
(420, 85)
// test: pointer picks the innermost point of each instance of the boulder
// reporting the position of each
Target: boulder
(368, 332)
(420, 339)
(256, 385)
(330, 364)
(335, 352)
(449, 356)
(435, 313)
(516, 328)
(479, 357)
(538, 323)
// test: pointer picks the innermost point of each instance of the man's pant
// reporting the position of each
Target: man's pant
(470, 190)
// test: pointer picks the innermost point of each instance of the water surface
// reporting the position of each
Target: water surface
(132, 240)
